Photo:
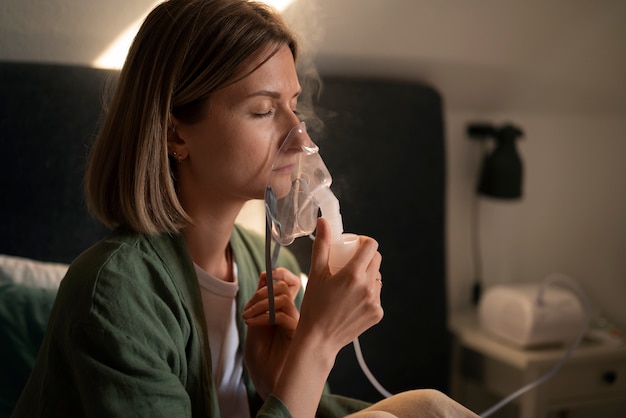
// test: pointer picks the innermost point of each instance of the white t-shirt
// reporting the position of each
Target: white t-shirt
(220, 308)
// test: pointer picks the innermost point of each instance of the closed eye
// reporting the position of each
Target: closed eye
(267, 114)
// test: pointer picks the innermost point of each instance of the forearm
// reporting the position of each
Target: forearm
(304, 375)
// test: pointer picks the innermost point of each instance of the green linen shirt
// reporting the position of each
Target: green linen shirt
(127, 335)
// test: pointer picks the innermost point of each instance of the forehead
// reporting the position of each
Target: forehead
(276, 74)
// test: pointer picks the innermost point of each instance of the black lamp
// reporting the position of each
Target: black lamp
(500, 177)
(501, 171)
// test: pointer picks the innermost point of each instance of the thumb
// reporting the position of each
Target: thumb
(321, 248)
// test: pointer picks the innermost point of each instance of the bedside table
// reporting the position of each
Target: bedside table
(595, 374)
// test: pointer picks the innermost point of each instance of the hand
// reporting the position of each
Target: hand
(267, 345)
(344, 305)
(335, 310)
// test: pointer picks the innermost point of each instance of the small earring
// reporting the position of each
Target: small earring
(177, 157)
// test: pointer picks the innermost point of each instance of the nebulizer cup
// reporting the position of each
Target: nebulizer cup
(297, 190)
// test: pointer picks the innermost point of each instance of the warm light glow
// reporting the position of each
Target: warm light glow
(279, 4)
(114, 56)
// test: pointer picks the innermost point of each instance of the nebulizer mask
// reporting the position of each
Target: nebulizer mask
(298, 189)
(292, 206)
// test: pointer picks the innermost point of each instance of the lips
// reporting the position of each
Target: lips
(284, 169)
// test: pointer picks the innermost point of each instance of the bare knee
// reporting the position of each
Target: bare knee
(427, 403)
(434, 403)
(372, 414)
(421, 403)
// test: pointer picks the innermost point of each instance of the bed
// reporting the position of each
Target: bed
(383, 142)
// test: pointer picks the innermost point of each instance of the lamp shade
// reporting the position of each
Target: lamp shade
(501, 173)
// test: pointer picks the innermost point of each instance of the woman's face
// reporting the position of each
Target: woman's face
(229, 153)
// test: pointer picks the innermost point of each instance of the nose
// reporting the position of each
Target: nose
(298, 139)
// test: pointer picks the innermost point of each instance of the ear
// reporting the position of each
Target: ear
(176, 146)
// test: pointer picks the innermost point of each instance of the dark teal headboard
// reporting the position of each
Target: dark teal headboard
(48, 119)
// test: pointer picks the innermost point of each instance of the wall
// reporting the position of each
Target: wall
(571, 218)
(555, 68)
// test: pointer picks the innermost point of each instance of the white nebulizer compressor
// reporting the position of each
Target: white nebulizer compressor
(531, 314)
(528, 315)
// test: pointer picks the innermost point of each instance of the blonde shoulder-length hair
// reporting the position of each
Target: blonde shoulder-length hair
(183, 52)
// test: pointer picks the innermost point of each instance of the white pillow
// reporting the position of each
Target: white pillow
(29, 272)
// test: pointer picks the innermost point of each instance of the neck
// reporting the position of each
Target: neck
(208, 238)
(210, 251)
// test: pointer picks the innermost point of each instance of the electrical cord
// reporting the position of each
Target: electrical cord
(562, 279)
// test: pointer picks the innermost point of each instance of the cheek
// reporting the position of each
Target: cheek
(256, 161)
(240, 151)
(242, 161)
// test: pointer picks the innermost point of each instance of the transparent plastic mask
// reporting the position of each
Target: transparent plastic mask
(298, 173)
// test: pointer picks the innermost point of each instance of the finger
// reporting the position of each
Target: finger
(379, 280)
(263, 283)
(373, 268)
(261, 292)
(321, 248)
(367, 254)
(283, 304)
(287, 276)
(280, 287)
(282, 320)
(259, 303)
(259, 295)
(292, 280)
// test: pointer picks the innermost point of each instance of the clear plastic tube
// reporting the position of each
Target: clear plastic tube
(366, 370)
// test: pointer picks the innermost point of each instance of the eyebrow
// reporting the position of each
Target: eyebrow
(270, 93)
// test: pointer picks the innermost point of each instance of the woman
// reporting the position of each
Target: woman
(168, 315)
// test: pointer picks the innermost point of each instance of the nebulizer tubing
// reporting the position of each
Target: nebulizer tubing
(561, 279)
(292, 212)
